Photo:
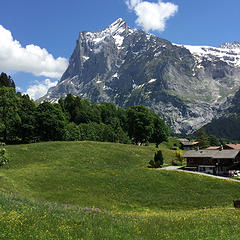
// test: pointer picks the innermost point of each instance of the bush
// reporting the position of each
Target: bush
(3, 159)
(158, 160)
(179, 155)
(174, 163)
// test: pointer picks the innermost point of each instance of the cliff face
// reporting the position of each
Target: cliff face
(187, 86)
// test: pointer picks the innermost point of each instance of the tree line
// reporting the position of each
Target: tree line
(205, 140)
(225, 127)
(74, 119)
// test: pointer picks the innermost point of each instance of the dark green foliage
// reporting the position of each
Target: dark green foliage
(140, 124)
(9, 117)
(213, 140)
(228, 128)
(73, 132)
(158, 160)
(161, 131)
(74, 119)
(202, 138)
(3, 159)
(108, 112)
(6, 81)
(27, 112)
(106, 122)
(50, 122)
(102, 132)
(144, 126)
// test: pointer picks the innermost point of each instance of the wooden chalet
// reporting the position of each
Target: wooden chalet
(217, 162)
(188, 145)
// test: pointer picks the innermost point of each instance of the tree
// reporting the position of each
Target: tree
(158, 160)
(27, 112)
(140, 124)
(68, 105)
(108, 112)
(213, 140)
(6, 81)
(73, 132)
(50, 122)
(161, 131)
(202, 138)
(9, 117)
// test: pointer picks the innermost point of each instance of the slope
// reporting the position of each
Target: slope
(95, 190)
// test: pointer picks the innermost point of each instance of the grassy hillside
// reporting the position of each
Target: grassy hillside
(89, 190)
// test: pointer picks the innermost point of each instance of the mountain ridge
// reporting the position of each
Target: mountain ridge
(188, 86)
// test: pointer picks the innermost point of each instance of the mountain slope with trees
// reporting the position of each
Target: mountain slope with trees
(184, 85)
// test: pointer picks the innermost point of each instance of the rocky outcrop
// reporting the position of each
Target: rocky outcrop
(185, 85)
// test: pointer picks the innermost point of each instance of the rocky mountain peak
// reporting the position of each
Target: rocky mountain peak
(233, 45)
(186, 85)
(119, 27)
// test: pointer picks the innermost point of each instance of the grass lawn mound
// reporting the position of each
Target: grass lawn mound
(92, 190)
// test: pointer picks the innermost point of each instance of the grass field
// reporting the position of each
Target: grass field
(89, 190)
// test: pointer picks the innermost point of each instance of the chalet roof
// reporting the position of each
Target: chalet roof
(213, 148)
(233, 146)
(183, 139)
(215, 154)
(228, 154)
(187, 143)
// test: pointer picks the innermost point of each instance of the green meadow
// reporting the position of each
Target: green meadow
(93, 190)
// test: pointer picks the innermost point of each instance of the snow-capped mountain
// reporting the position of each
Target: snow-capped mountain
(186, 85)
(228, 52)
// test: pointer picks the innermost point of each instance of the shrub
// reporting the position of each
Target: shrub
(174, 163)
(179, 155)
(3, 159)
(158, 160)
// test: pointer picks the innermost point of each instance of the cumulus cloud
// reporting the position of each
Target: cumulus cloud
(18, 89)
(31, 58)
(151, 15)
(39, 89)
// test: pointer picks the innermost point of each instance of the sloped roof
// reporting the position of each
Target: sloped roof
(231, 153)
(183, 139)
(187, 143)
(199, 153)
(216, 154)
(233, 146)
(213, 148)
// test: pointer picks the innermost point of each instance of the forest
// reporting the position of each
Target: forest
(74, 119)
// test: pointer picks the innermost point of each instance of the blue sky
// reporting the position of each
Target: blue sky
(54, 26)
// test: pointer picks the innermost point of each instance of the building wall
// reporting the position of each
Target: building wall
(194, 162)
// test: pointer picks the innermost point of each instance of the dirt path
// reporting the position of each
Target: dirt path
(180, 169)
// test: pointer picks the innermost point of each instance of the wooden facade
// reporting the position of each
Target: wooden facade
(217, 162)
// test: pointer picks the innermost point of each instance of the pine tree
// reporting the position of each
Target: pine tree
(202, 138)
(6, 81)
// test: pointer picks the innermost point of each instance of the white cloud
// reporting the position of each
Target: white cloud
(150, 15)
(18, 89)
(40, 88)
(132, 3)
(32, 59)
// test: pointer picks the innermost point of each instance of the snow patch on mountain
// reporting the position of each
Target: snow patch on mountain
(117, 30)
(228, 52)
(186, 85)
(152, 80)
